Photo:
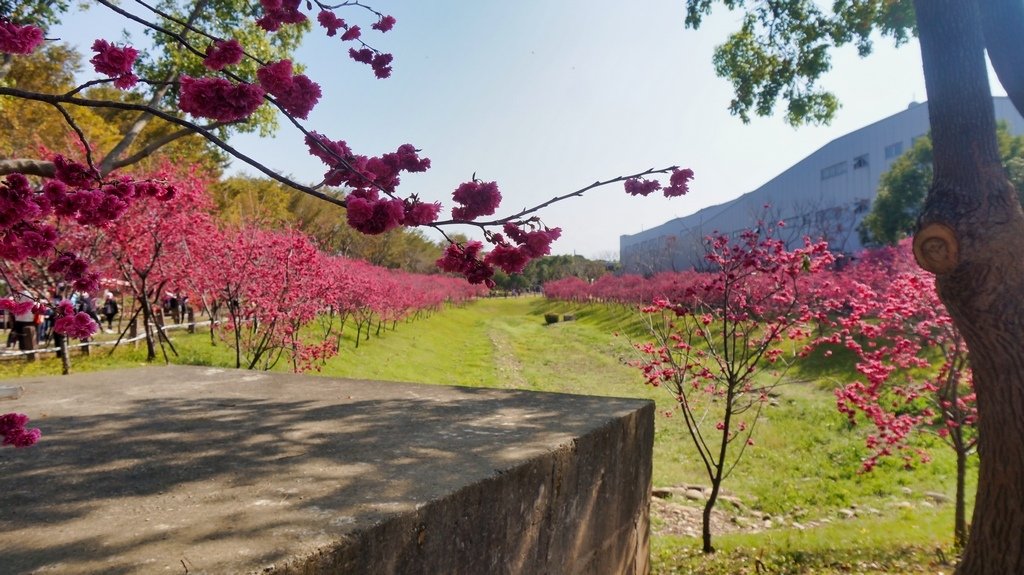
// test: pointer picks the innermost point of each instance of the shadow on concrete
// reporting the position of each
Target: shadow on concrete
(269, 472)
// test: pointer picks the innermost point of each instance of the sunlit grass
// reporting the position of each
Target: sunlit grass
(806, 463)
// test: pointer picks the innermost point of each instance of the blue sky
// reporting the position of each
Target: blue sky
(547, 96)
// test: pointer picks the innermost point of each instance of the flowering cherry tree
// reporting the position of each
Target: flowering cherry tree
(913, 360)
(209, 83)
(712, 343)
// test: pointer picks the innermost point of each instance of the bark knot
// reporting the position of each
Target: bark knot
(936, 248)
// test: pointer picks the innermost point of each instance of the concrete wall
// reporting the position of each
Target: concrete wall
(582, 509)
(220, 471)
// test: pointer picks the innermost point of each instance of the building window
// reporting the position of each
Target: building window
(860, 162)
(833, 171)
(893, 150)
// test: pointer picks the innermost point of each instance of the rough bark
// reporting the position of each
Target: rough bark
(979, 271)
(1003, 26)
(960, 503)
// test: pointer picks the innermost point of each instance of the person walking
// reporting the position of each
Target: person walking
(110, 310)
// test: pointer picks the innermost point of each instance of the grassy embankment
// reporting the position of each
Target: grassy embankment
(805, 467)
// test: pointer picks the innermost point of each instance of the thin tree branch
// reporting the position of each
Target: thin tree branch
(538, 207)
(89, 103)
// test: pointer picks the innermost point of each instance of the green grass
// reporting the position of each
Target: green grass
(805, 464)
(910, 542)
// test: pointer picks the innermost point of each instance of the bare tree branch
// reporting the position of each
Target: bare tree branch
(155, 145)
(143, 120)
(27, 166)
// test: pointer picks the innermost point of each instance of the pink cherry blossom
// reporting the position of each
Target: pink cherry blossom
(14, 433)
(374, 216)
(79, 325)
(295, 93)
(223, 53)
(381, 65)
(278, 12)
(679, 183)
(385, 24)
(352, 33)
(418, 213)
(476, 199)
(219, 99)
(330, 22)
(16, 39)
(115, 62)
(641, 187)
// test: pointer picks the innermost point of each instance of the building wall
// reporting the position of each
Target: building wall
(826, 193)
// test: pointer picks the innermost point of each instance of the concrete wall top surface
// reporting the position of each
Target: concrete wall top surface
(157, 470)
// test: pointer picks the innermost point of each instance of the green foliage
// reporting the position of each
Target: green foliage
(901, 193)
(550, 268)
(782, 50)
(219, 19)
(42, 13)
(903, 188)
(247, 199)
(29, 125)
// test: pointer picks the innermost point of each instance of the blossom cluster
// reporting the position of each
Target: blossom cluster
(464, 259)
(679, 182)
(295, 93)
(380, 62)
(76, 193)
(366, 177)
(279, 12)
(14, 432)
(115, 62)
(888, 314)
(218, 99)
(475, 199)
(15, 39)
(223, 53)
(517, 246)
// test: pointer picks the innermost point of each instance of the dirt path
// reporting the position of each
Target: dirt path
(506, 361)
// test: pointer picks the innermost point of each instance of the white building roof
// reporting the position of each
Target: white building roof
(832, 188)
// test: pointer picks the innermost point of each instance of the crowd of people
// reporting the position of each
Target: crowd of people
(103, 309)
(42, 319)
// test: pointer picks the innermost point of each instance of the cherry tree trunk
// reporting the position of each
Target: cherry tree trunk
(971, 235)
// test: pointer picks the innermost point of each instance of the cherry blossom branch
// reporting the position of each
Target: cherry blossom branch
(89, 103)
(556, 199)
(81, 135)
(157, 28)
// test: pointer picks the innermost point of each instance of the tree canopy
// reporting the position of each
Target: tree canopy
(902, 189)
(782, 50)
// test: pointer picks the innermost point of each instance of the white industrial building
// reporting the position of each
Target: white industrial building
(825, 194)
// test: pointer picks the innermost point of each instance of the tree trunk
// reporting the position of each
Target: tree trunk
(65, 357)
(716, 483)
(960, 521)
(971, 236)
